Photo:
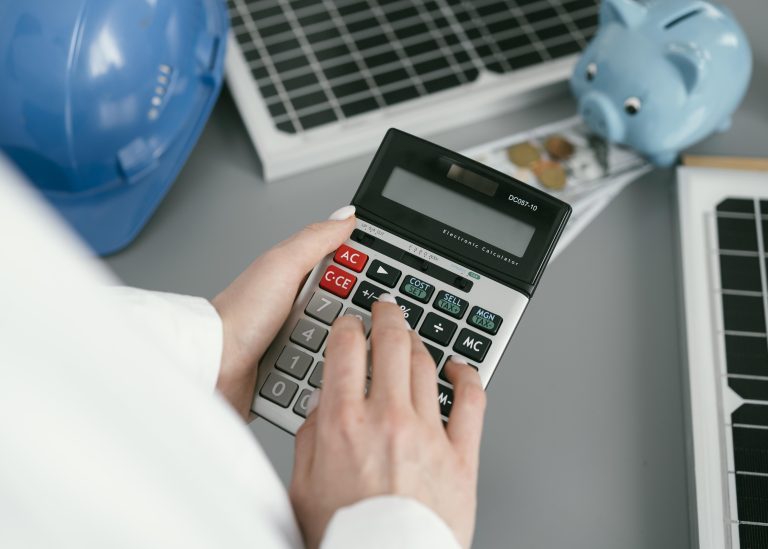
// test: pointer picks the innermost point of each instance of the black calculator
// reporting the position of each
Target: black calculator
(459, 245)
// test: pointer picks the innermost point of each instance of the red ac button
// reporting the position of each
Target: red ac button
(337, 281)
(349, 257)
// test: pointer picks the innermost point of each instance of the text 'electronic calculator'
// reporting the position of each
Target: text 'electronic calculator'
(460, 246)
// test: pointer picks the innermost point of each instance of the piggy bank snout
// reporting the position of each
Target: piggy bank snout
(601, 116)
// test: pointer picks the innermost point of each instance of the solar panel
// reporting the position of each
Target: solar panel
(298, 67)
(723, 217)
(742, 236)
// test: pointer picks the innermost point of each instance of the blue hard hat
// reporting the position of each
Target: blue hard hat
(101, 102)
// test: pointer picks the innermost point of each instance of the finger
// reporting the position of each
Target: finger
(390, 353)
(344, 371)
(302, 251)
(423, 380)
(271, 282)
(465, 424)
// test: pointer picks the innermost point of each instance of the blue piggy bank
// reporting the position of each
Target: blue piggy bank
(662, 75)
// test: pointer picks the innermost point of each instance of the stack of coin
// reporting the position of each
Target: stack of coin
(558, 147)
(523, 154)
(550, 174)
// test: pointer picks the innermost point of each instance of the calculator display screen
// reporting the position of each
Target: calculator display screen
(450, 207)
(484, 220)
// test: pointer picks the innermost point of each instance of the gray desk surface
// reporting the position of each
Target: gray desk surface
(584, 436)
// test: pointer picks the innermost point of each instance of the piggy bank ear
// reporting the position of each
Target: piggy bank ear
(689, 62)
(624, 12)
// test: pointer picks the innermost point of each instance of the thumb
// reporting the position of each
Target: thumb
(297, 255)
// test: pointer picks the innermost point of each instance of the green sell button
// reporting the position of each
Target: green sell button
(450, 304)
(485, 320)
(417, 288)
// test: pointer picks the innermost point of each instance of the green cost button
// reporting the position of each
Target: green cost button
(417, 288)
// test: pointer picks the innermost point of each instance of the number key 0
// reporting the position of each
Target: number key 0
(278, 389)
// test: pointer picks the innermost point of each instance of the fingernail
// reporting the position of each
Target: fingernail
(314, 399)
(387, 298)
(459, 359)
(343, 213)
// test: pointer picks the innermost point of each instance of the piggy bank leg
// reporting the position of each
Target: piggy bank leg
(725, 125)
(664, 159)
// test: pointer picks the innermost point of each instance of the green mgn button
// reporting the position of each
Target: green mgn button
(485, 320)
(451, 304)
(417, 288)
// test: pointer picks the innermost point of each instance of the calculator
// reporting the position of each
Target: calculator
(459, 245)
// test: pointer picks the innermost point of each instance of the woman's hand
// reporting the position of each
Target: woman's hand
(392, 442)
(255, 305)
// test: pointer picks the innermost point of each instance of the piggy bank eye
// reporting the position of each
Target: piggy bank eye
(591, 71)
(632, 106)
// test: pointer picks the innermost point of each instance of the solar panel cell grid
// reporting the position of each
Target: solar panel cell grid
(316, 62)
(744, 299)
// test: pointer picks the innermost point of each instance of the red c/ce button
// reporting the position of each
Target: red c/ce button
(351, 258)
(337, 281)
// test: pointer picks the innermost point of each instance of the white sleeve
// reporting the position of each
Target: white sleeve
(188, 329)
(388, 522)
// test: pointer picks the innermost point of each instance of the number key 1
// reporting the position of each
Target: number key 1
(294, 362)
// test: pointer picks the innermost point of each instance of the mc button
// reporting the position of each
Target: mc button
(337, 281)
(472, 345)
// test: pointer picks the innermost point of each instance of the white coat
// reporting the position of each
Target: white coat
(111, 433)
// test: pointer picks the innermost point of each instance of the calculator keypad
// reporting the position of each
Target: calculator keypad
(298, 372)
(411, 312)
(472, 345)
(438, 329)
(278, 389)
(337, 281)
(383, 273)
(316, 379)
(293, 362)
(309, 335)
(450, 304)
(366, 295)
(484, 320)
(350, 258)
(445, 399)
(323, 308)
(302, 402)
(416, 288)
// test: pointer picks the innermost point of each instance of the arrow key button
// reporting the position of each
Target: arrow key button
(383, 273)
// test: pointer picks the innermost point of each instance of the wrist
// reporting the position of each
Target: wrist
(238, 369)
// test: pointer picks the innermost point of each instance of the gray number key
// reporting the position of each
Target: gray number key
(302, 402)
(278, 389)
(364, 317)
(294, 362)
(316, 379)
(323, 308)
(309, 335)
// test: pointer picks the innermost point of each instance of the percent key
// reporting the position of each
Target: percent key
(412, 313)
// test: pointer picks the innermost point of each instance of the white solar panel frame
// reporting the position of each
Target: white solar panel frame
(283, 154)
(710, 401)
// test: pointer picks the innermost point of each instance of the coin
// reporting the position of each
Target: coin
(550, 174)
(523, 154)
(559, 147)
